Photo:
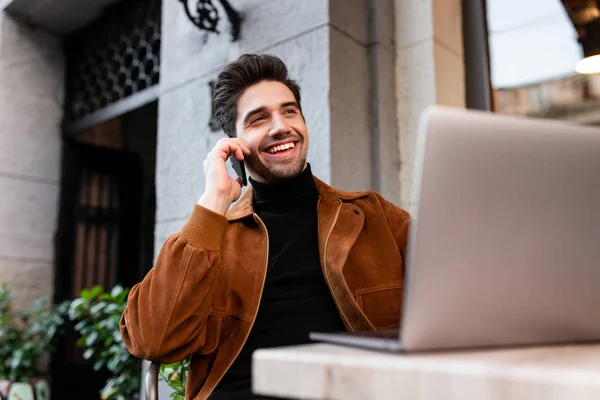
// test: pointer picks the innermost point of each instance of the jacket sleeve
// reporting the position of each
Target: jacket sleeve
(166, 313)
(399, 222)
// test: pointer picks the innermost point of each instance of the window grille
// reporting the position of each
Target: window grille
(113, 58)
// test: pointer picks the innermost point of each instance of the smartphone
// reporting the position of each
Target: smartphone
(238, 167)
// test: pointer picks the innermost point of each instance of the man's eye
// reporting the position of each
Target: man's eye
(290, 111)
(257, 119)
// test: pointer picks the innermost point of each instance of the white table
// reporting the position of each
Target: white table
(331, 372)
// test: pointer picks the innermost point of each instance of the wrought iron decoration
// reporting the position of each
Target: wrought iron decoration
(207, 16)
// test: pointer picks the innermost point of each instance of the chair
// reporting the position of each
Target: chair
(152, 381)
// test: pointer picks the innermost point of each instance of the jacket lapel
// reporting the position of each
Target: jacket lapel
(339, 226)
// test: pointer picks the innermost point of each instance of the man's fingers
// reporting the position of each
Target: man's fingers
(226, 146)
(235, 142)
(239, 153)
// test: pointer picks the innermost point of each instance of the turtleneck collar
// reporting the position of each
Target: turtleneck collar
(299, 189)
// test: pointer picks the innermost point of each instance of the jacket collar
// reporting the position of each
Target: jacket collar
(244, 208)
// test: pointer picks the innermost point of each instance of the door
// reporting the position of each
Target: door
(97, 243)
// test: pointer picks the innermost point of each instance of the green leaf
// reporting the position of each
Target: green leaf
(105, 297)
(113, 308)
(112, 364)
(176, 396)
(95, 292)
(116, 291)
(97, 308)
(84, 294)
(98, 365)
(91, 339)
(51, 331)
(63, 307)
(88, 354)
(81, 342)
(107, 391)
(80, 326)
(75, 308)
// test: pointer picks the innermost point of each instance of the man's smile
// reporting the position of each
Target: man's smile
(281, 149)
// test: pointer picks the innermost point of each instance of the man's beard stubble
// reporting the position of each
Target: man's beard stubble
(275, 173)
(281, 171)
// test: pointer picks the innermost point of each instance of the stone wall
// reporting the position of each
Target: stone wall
(31, 95)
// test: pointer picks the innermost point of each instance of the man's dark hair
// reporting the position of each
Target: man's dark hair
(238, 76)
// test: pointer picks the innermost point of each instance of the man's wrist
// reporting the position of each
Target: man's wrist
(216, 203)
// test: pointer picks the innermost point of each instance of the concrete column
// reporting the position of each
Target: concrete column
(384, 122)
(31, 95)
(429, 70)
(349, 132)
(363, 127)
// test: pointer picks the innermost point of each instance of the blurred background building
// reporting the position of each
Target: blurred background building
(105, 112)
(534, 53)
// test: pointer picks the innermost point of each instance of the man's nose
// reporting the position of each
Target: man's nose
(278, 125)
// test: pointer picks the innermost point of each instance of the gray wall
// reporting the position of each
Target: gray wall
(31, 93)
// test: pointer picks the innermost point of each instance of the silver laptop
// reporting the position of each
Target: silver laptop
(504, 249)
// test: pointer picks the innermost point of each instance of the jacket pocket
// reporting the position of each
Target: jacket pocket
(382, 304)
(212, 334)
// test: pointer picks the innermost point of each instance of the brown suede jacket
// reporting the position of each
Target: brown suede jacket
(202, 296)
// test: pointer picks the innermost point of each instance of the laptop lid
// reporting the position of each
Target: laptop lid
(505, 246)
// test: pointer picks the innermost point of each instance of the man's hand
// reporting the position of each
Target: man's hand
(220, 189)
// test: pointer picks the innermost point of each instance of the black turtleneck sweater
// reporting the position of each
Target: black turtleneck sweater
(295, 299)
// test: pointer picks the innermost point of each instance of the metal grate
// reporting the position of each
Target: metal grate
(97, 246)
(113, 58)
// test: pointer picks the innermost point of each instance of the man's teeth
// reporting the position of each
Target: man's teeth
(282, 147)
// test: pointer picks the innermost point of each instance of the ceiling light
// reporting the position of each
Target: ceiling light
(589, 65)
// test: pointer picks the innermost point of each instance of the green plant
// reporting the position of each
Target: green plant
(175, 375)
(25, 335)
(97, 314)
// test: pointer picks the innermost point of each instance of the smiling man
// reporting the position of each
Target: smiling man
(292, 256)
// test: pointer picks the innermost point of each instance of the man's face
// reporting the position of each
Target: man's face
(269, 122)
